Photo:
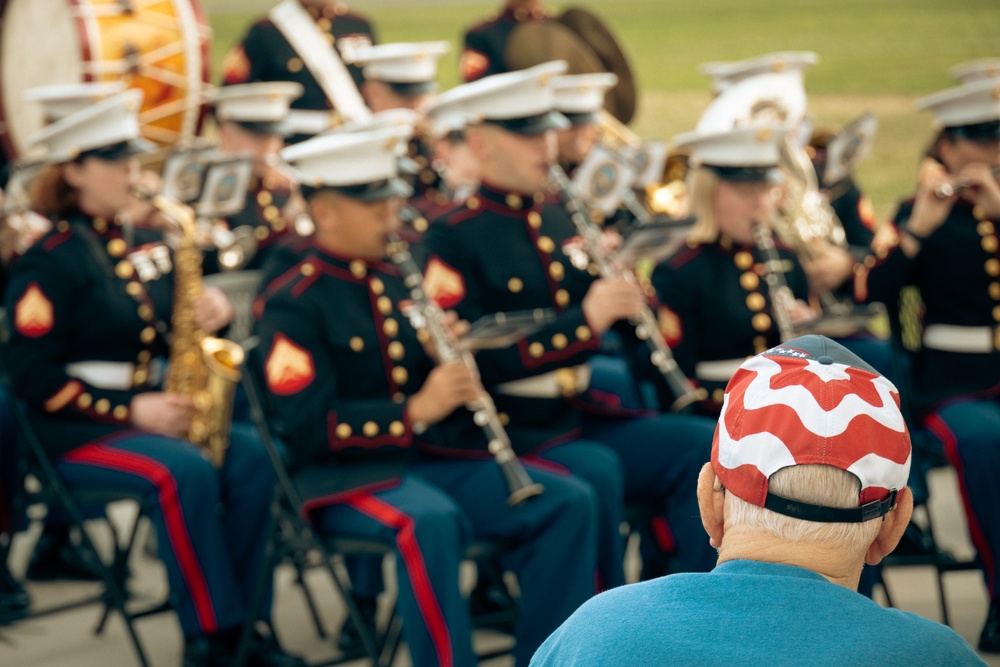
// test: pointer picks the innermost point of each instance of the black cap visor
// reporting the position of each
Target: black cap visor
(988, 131)
(117, 151)
(588, 118)
(747, 174)
(412, 88)
(374, 191)
(530, 125)
(263, 127)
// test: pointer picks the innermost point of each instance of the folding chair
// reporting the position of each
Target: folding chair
(927, 455)
(54, 493)
(294, 537)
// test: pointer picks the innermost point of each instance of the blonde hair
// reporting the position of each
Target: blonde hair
(816, 484)
(701, 183)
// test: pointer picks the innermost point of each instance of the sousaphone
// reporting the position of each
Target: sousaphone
(582, 40)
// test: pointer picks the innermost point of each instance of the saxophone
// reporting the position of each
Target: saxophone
(202, 367)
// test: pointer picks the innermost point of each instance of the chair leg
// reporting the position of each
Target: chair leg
(939, 569)
(119, 564)
(118, 596)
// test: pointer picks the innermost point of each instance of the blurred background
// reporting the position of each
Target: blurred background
(875, 55)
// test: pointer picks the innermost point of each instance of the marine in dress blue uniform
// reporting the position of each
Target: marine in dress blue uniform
(484, 44)
(264, 54)
(347, 371)
(89, 308)
(948, 247)
(715, 306)
(537, 381)
(250, 118)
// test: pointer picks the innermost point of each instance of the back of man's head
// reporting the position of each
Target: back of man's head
(811, 448)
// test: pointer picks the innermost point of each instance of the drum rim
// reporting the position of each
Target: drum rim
(195, 33)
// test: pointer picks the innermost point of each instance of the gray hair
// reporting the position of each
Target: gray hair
(815, 484)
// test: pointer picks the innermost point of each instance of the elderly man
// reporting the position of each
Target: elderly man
(807, 483)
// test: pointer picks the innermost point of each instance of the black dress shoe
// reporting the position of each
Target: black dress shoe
(266, 652)
(989, 640)
(208, 651)
(490, 606)
(349, 642)
(56, 558)
(14, 600)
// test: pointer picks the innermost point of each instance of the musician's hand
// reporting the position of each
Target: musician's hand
(983, 190)
(611, 241)
(801, 312)
(830, 265)
(454, 327)
(929, 210)
(447, 387)
(608, 301)
(162, 413)
(212, 310)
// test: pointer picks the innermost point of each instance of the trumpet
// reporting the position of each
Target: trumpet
(646, 327)
(426, 314)
(956, 187)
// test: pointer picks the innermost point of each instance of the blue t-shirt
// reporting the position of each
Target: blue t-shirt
(747, 613)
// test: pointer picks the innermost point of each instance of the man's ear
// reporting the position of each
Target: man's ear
(893, 525)
(711, 504)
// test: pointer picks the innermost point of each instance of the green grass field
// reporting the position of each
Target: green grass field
(877, 55)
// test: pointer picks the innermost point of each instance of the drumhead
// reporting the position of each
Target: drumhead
(39, 45)
(160, 48)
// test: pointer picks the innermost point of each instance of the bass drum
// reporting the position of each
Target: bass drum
(158, 46)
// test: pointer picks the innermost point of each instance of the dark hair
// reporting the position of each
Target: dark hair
(933, 149)
(51, 195)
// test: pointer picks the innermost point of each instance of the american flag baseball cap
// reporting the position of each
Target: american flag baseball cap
(812, 401)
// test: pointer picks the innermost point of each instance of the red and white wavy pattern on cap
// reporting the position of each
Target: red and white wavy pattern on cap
(781, 411)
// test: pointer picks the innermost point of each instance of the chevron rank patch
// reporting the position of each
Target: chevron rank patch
(289, 368)
(33, 314)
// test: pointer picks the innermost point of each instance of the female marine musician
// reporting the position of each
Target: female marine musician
(716, 307)
(949, 249)
(89, 307)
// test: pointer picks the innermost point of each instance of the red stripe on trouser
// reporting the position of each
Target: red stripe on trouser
(664, 536)
(159, 475)
(939, 427)
(413, 559)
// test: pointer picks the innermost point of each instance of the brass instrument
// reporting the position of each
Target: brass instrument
(805, 215)
(427, 315)
(202, 367)
(806, 212)
(646, 327)
(777, 287)
(958, 186)
(617, 137)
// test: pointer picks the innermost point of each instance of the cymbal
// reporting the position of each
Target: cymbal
(534, 42)
(621, 100)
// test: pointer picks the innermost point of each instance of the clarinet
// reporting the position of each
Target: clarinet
(646, 327)
(427, 315)
(777, 287)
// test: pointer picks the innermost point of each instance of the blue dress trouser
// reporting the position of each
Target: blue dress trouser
(212, 525)
(662, 457)
(436, 511)
(969, 430)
